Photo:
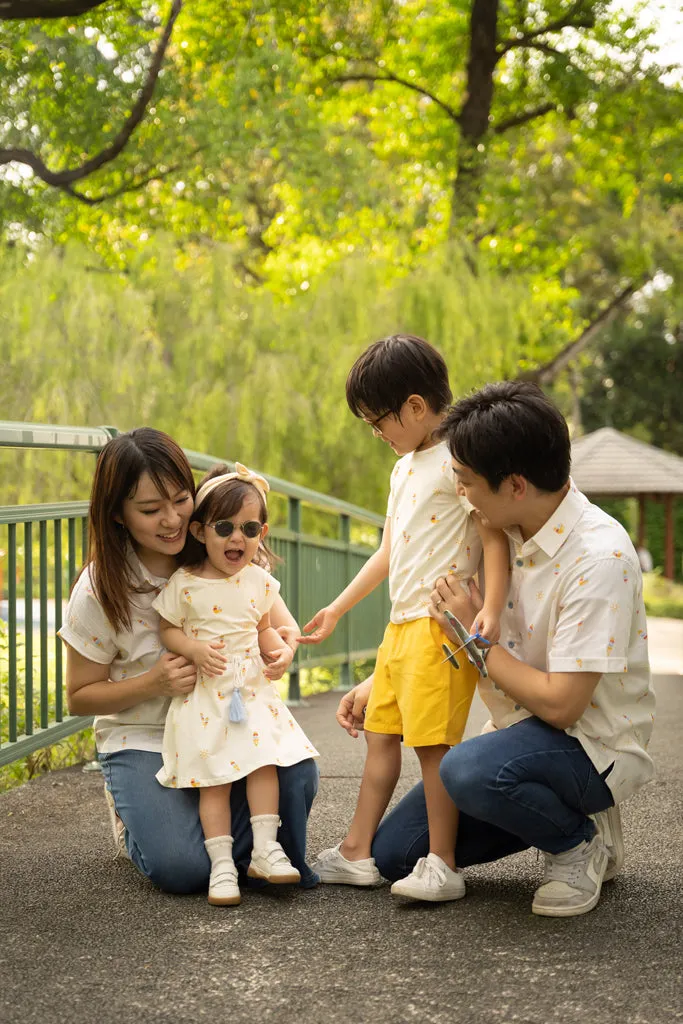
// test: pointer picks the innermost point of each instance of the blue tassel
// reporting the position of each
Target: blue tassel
(238, 712)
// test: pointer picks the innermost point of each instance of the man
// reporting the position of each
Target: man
(568, 686)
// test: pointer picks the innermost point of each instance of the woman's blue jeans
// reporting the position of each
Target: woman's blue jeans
(164, 834)
(528, 785)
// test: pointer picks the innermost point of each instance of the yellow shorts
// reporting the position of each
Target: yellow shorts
(415, 693)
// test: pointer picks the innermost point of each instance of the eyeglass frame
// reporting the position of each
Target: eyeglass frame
(236, 526)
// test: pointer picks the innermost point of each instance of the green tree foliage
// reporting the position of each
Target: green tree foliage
(300, 133)
(635, 379)
(239, 373)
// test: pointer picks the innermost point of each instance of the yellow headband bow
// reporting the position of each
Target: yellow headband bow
(241, 473)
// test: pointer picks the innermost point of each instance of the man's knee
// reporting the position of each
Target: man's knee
(464, 775)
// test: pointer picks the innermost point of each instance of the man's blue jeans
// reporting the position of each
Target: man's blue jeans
(165, 839)
(528, 785)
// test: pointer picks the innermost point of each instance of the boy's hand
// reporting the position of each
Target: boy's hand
(487, 624)
(323, 623)
(206, 657)
(281, 660)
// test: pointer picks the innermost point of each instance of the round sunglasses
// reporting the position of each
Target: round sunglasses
(225, 528)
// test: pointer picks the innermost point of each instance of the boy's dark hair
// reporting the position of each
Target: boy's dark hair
(224, 501)
(506, 428)
(392, 370)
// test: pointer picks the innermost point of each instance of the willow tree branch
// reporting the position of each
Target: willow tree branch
(388, 76)
(65, 179)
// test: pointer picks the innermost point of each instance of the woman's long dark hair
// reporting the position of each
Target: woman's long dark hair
(120, 465)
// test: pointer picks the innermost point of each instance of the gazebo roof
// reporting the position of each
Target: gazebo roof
(607, 462)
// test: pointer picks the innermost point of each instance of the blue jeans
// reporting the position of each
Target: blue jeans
(528, 785)
(165, 839)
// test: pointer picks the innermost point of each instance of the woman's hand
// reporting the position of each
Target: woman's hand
(176, 675)
(351, 710)
(278, 662)
(206, 656)
(290, 635)
(448, 593)
(323, 623)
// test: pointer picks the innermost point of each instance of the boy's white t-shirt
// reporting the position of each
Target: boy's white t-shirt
(432, 531)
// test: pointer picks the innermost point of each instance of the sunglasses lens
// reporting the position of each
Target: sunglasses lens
(251, 529)
(223, 528)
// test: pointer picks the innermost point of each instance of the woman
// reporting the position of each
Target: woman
(141, 503)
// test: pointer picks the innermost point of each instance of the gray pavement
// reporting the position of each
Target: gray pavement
(85, 939)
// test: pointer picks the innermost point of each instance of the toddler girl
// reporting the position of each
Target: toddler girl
(233, 724)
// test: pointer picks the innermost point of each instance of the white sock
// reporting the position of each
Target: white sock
(264, 828)
(219, 850)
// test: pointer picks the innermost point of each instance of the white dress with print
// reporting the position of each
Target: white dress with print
(201, 746)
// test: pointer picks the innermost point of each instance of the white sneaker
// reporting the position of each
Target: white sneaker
(572, 880)
(431, 879)
(608, 824)
(118, 829)
(272, 864)
(333, 867)
(223, 888)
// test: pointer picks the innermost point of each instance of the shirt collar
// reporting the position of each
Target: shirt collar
(141, 572)
(555, 531)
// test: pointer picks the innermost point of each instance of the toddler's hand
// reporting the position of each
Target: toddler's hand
(206, 657)
(279, 661)
(487, 625)
(323, 623)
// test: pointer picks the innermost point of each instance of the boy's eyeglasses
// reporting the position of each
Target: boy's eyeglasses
(225, 528)
(375, 424)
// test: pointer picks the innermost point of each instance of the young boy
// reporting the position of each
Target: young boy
(399, 386)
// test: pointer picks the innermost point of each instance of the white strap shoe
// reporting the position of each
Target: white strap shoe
(271, 863)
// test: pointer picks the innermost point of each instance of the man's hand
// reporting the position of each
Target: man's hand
(448, 593)
(323, 623)
(350, 712)
(207, 657)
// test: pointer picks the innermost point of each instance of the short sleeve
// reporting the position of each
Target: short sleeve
(271, 588)
(170, 601)
(595, 612)
(87, 628)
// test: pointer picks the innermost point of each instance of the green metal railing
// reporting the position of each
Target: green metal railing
(44, 546)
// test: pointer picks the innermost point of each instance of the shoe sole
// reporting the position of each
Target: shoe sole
(290, 879)
(566, 911)
(359, 883)
(225, 901)
(422, 898)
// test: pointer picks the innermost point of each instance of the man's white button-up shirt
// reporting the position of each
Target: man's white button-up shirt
(576, 605)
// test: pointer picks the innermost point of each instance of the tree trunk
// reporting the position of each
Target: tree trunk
(475, 115)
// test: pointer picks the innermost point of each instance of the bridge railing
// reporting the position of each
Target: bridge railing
(322, 540)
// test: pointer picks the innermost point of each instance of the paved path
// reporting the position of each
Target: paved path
(88, 940)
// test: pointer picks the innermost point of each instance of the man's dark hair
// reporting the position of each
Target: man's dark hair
(507, 428)
(392, 370)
